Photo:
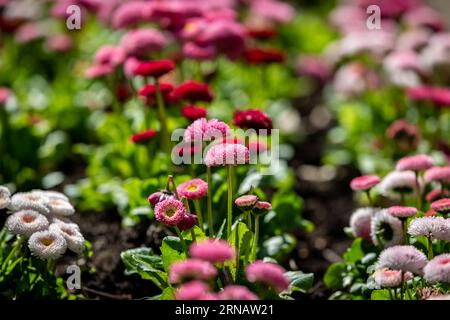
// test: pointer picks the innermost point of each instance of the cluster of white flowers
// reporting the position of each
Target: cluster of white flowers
(42, 217)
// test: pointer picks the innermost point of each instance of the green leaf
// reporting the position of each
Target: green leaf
(333, 276)
(171, 251)
(278, 247)
(168, 294)
(286, 214)
(380, 295)
(199, 234)
(300, 281)
(221, 229)
(355, 252)
(148, 265)
(244, 236)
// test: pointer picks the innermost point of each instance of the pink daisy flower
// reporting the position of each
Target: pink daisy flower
(438, 174)
(414, 163)
(436, 194)
(191, 269)
(441, 205)
(236, 292)
(364, 183)
(159, 196)
(360, 222)
(438, 269)
(5, 93)
(262, 207)
(192, 290)
(434, 227)
(402, 212)
(214, 251)
(270, 274)
(404, 258)
(142, 42)
(387, 278)
(109, 55)
(193, 189)
(246, 201)
(227, 154)
(188, 222)
(97, 71)
(206, 130)
(170, 212)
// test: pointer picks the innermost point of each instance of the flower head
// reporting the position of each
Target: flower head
(402, 212)
(193, 112)
(170, 211)
(246, 201)
(206, 130)
(387, 278)
(148, 91)
(434, 227)
(214, 251)
(5, 93)
(72, 235)
(159, 196)
(26, 222)
(364, 183)
(270, 274)
(264, 56)
(252, 119)
(398, 182)
(414, 163)
(360, 222)
(109, 55)
(441, 205)
(142, 42)
(143, 136)
(438, 174)
(192, 91)
(191, 269)
(405, 134)
(156, 68)
(236, 292)
(227, 154)
(188, 222)
(193, 51)
(129, 14)
(262, 207)
(436, 194)
(193, 189)
(386, 230)
(60, 207)
(97, 71)
(192, 290)
(30, 200)
(404, 258)
(438, 269)
(47, 244)
(5, 197)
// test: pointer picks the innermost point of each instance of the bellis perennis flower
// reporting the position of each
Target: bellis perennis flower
(193, 189)
(214, 251)
(364, 183)
(269, 274)
(170, 211)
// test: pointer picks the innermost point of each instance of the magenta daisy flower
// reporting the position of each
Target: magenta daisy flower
(404, 258)
(402, 212)
(360, 222)
(262, 207)
(438, 174)
(438, 269)
(364, 183)
(414, 163)
(170, 211)
(236, 292)
(436, 194)
(214, 251)
(192, 290)
(270, 274)
(188, 222)
(441, 205)
(193, 189)
(227, 154)
(191, 269)
(206, 130)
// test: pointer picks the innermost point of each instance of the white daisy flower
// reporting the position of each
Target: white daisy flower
(60, 207)
(5, 197)
(386, 229)
(397, 183)
(26, 222)
(47, 244)
(434, 227)
(30, 200)
(74, 238)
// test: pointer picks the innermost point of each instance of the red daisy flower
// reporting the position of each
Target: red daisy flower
(192, 91)
(156, 68)
(252, 119)
(143, 136)
(193, 112)
(263, 56)
(148, 91)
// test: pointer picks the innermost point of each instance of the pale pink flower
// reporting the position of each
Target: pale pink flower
(386, 229)
(142, 42)
(438, 269)
(170, 211)
(270, 274)
(360, 222)
(404, 258)
(191, 269)
(424, 16)
(402, 211)
(434, 227)
(130, 14)
(227, 154)
(414, 39)
(59, 43)
(26, 222)
(97, 71)
(47, 244)
(262, 207)
(205, 130)
(193, 51)
(192, 290)
(398, 182)
(387, 278)
(109, 55)
(246, 201)
(441, 205)
(130, 66)
(273, 10)
(438, 174)
(364, 183)
(414, 163)
(193, 189)
(214, 251)
(5, 197)
(236, 292)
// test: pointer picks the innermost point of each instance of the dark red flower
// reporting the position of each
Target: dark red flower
(252, 119)
(148, 91)
(123, 92)
(192, 91)
(261, 33)
(193, 112)
(157, 197)
(143, 136)
(188, 222)
(263, 56)
(156, 68)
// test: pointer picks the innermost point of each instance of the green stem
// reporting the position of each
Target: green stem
(369, 197)
(17, 246)
(198, 212)
(255, 239)
(210, 220)
(248, 216)
(183, 243)
(419, 194)
(430, 248)
(230, 201)
(402, 287)
(194, 238)
(405, 230)
(165, 141)
(236, 244)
